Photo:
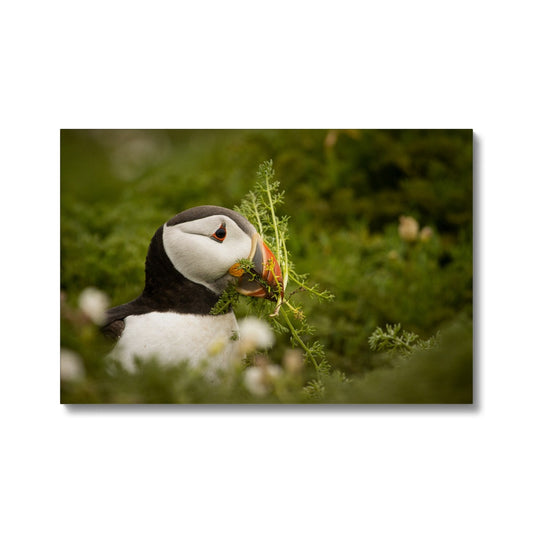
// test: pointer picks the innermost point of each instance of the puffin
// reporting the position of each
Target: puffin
(191, 260)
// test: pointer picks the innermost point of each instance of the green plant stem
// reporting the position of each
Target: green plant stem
(274, 218)
(281, 249)
(285, 266)
(257, 217)
(311, 290)
(299, 340)
(405, 344)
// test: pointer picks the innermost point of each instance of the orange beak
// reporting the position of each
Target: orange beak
(267, 279)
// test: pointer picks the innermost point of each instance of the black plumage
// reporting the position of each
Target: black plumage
(165, 289)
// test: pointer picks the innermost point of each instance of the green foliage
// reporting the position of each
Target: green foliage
(230, 297)
(439, 373)
(259, 206)
(394, 340)
(344, 192)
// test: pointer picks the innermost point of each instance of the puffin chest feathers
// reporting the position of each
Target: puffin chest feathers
(175, 337)
(190, 262)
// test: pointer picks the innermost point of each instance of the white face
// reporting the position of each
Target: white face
(195, 251)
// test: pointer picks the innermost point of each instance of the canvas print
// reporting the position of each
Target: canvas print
(266, 267)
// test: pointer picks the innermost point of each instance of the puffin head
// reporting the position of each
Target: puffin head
(205, 244)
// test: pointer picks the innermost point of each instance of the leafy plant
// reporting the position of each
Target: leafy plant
(259, 206)
(396, 340)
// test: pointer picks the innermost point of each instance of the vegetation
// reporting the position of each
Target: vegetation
(382, 220)
(259, 206)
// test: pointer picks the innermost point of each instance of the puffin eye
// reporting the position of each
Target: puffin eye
(220, 233)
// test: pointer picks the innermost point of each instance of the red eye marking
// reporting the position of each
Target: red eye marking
(220, 233)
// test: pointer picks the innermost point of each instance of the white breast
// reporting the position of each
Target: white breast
(174, 337)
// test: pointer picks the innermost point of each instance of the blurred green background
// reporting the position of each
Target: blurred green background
(345, 191)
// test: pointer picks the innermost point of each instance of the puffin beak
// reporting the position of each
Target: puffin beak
(267, 279)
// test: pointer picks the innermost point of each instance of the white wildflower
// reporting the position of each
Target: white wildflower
(254, 334)
(331, 138)
(293, 361)
(259, 380)
(426, 233)
(71, 365)
(408, 229)
(93, 302)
